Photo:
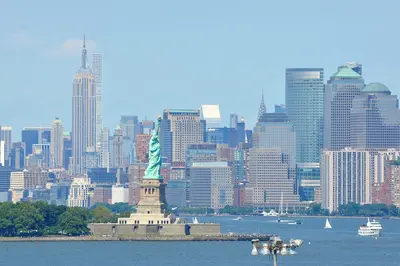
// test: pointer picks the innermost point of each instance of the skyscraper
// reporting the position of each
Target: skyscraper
(345, 177)
(262, 109)
(211, 114)
(98, 78)
(104, 156)
(83, 116)
(128, 124)
(355, 66)
(340, 91)
(5, 135)
(184, 127)
(375, 119)
(304, 104)
(35, 135)
(233, 120)
(57, 144)
(118, 148)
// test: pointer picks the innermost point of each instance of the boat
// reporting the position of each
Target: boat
(367, 231)
(272, 213)
(327, 224)
(238, 218)
(373, 228)
(295, 222)
(375, 225)
(195, 220)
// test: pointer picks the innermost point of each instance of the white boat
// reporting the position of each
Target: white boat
(272, 212)
(375, 225)
(327, 224)
(238, 218)
(195, 220)
(367, 231)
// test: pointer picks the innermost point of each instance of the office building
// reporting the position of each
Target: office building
(345, 177)
(211, 185)
(41, 152)
(120, 194)
(211, 114)
(129, 125)
(241, 131)
(67, 149)
(80, 192)
(24, 180)
(103, 175)
(375, 119)
(97, 66)
(355, 66)
(308, 181)
(57, 144)
(176, 192)
(5, 135)
(17, 157)
(268, 182)
(305, 107)
(104, 153)
(233, 120)
(341, 89)
(35, 135)
(2, 154)
(5, 176)
(84, 117)
(273, 130)
(59, 193)
(118, 148)
(281, 108)
(223, 135)
(142, 147)
(102, 194)
(181, 128)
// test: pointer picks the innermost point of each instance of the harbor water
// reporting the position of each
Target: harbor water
(337, 246)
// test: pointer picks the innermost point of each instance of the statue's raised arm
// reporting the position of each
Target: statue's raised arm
(154, 167)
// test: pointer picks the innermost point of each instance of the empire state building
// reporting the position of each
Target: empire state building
(83, 118)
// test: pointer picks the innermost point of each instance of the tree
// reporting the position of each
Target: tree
(393, 210)
(71, 224)
(102, 215)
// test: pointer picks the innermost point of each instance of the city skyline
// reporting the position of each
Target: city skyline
(142, 54)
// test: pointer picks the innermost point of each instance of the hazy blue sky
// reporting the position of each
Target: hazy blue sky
(181, 54)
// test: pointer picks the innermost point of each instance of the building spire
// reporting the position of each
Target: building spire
(262, 110)
(84, 53)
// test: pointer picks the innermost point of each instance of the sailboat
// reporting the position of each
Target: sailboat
(195, 220)
(327, 224)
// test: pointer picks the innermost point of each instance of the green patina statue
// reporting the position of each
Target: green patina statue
(154, 167)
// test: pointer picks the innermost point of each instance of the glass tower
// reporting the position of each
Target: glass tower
(339, 93)
(304, 106)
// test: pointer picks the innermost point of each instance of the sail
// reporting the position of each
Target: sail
(327, 224)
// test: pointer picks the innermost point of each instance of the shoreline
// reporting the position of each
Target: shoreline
(296, 216)
(242, 237)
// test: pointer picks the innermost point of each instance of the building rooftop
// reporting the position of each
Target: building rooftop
(346, 73)
(376, 87)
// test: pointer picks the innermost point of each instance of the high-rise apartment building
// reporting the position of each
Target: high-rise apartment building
(5, 135)
(57, 144)
(97, 66)
(340, 91)
(80, 192)
(345, 177)
(305, 107)
(211, 185)
(84, 117)
(118, 148)
(375, 119)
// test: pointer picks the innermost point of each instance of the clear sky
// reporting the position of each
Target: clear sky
(181, 54)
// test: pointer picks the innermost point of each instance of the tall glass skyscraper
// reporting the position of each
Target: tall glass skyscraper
(98, 76)
(305, 107)
(341, 89)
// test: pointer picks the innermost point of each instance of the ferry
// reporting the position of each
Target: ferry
(373, 228)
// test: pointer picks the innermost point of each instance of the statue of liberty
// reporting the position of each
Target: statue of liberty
(154, 167)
